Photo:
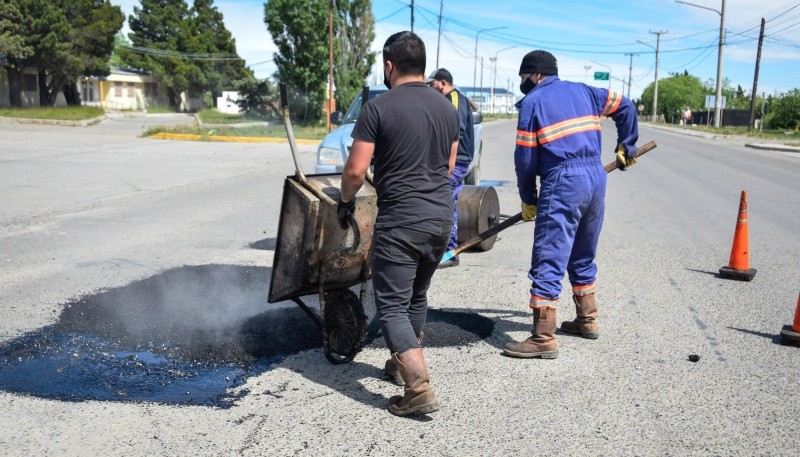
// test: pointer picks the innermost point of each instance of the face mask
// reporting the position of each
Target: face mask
(386, 81)
(527, 86)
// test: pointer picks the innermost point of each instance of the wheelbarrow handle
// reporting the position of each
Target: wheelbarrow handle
(351, 220)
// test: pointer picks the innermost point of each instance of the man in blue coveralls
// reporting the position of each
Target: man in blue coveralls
(558, 139)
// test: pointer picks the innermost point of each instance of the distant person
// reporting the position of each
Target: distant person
(686, 117)
(442, 81)
(412, 133)
(558, 140)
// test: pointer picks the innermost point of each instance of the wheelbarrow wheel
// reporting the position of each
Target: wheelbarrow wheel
(344, 326)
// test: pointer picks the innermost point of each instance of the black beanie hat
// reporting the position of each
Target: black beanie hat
(539, 62)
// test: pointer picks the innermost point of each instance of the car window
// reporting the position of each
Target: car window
(355, 107)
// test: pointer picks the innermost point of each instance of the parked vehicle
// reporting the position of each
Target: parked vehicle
(335, 147)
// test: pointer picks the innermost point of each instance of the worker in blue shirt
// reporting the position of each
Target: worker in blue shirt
(442, 81)
(558, 140)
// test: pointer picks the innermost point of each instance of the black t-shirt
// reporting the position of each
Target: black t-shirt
(412, 127)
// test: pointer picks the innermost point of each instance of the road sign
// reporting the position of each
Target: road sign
(711, 101)
(601, 76)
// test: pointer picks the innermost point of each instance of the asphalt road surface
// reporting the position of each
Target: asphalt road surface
(133, 283)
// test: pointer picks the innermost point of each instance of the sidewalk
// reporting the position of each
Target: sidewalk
(749, 142)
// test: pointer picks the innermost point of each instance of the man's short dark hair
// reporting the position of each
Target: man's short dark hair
(407, 52)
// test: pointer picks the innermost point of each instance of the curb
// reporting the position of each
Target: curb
(773, 147)
(228, 139)
(25, 120)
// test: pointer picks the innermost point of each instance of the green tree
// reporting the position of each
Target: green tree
(258, 98)
(299, 29)
(83, 50)
(12, 41)
(785, 111)
(120, 42)
(40, 31)
(163, 39)
(675, 93)
(213, 38)
(353, 60)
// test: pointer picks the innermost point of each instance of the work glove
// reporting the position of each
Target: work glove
(344, 211)
(528, 212)
(623, 160)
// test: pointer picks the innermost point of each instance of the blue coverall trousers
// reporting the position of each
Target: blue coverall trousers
(570, 213)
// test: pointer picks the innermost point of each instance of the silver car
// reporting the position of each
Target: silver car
(335, 147)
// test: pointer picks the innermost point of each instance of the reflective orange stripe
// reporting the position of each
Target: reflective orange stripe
(527, 139)
(612, 103)
(541, 302)
(585, 289)
(568, 127)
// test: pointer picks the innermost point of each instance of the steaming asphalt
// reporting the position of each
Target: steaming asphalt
(133, 283)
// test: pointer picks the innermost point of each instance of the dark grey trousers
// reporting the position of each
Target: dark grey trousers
(403, 262)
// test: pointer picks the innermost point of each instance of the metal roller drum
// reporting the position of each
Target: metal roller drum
(478, 210)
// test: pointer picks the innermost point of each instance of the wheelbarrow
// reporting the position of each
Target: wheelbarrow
(314, 256)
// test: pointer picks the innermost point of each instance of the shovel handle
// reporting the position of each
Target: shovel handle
(609, 167)
(640, 151)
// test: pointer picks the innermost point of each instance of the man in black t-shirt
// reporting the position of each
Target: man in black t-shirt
(412, 132)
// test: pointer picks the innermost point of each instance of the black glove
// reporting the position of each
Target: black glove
(344, 211)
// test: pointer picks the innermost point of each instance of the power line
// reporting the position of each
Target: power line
(179, 54)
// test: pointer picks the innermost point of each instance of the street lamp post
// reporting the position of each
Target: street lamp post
(718, 97)
(475, 66)
(494, 76)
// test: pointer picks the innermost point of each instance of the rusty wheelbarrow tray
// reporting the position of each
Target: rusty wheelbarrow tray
(314, 255)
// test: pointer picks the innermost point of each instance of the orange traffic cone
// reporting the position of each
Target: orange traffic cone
(791, 333)
(739, 265)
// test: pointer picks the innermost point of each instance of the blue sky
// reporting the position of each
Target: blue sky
(581, 33)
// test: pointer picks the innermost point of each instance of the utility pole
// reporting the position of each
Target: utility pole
(755, 79)
(655, 89)
(330, 67)
(718, 97)
(586, 73)
(412, 16)
(655, 84)
(630, 71)
(439, 39)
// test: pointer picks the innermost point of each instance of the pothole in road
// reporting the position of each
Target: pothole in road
(190, 335)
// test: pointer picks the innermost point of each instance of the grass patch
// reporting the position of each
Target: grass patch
(61, 113)
(273, 131)
(212, 116)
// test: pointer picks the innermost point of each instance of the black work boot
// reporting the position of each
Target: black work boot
(542, 342)
(585, 324)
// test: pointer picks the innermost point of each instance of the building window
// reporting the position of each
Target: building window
(30, 82)
(117, 89)
(131, 89)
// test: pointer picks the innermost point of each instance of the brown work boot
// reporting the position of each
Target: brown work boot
(392, 371)
(585, 324)
(542, 342)
(418, 396)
